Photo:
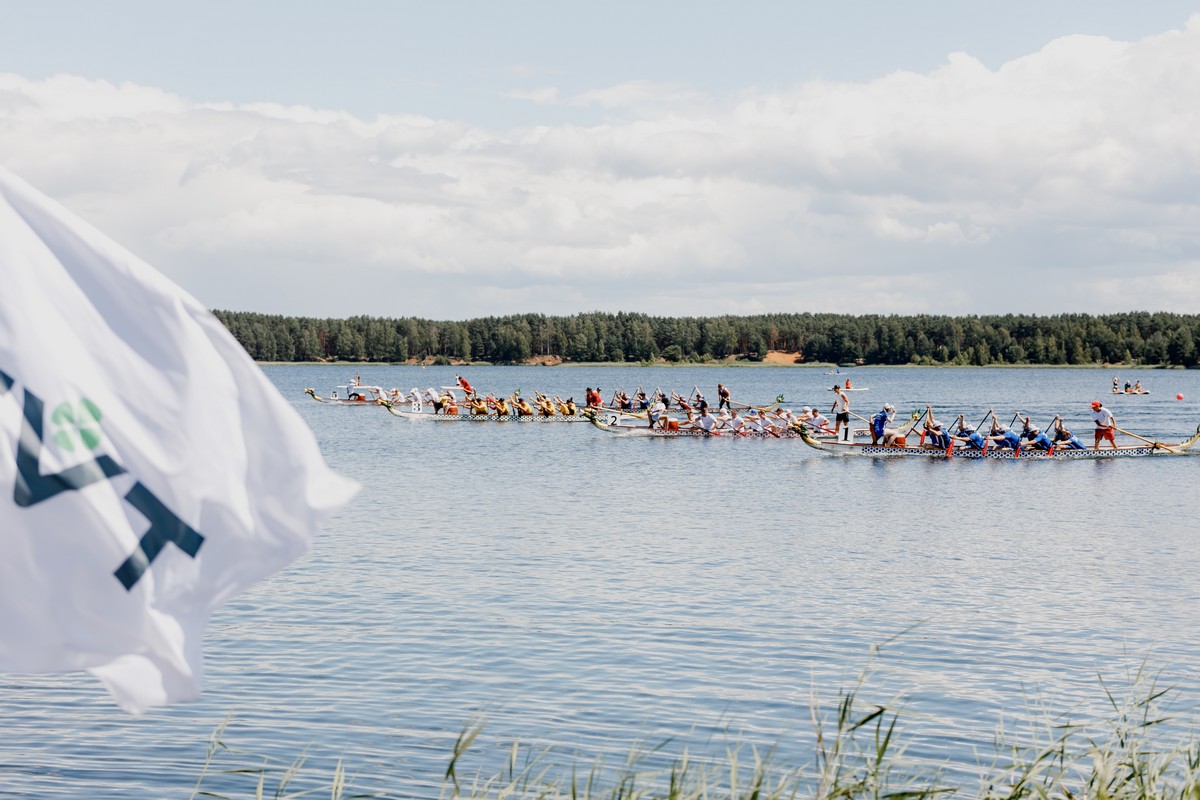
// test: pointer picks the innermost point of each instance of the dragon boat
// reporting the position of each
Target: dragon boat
(1149, 448)
(617, 422)
(351, 394)
(418, 411)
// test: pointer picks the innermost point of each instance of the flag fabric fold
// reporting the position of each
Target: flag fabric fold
(149, 470)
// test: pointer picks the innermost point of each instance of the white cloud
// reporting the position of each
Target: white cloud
(547, 95)
(1065, 169)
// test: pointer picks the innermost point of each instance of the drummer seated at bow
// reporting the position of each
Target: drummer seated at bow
(881, 428)
(1036, 439)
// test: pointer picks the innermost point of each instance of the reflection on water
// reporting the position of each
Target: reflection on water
(591, 591)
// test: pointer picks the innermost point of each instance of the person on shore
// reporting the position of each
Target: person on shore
(1063, 438)
(840, 409)
(722, 397)
(1106, 425)
(935, 433)
(881, 427)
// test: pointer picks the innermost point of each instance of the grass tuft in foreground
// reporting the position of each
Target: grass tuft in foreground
(857, 756)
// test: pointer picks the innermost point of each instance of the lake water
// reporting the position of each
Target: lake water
(592, 593)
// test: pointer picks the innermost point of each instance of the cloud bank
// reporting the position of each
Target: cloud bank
(1065, 180)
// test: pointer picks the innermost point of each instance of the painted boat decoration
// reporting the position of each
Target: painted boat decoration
(352, 394)
(1149, 448)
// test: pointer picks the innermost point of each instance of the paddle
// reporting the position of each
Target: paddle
(1157, 445)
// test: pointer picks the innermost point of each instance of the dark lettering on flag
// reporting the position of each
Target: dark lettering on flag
(164, 527)
(32, 487)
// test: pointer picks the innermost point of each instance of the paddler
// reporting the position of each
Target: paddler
(968, 435)
(935, 434)
(521, 405)
(478, 405)
(1035, 438)
(500, 405)
(1063, 437)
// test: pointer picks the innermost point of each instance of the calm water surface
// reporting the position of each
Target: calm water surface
(590, 592)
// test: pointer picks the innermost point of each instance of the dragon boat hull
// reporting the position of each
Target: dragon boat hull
(365, 398)
(468, 417)
(1024, 454)
(611, 422)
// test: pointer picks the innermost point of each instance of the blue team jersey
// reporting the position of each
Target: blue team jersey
(878, 422)
(1010, 440)
(1070, 443)
(940, 439)
(976, 440)
(1040, 442)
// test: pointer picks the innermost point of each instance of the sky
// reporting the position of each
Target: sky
(457, 160)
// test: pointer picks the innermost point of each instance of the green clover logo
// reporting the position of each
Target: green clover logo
(79, 422)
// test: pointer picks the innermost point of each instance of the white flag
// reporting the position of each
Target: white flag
(149, 471)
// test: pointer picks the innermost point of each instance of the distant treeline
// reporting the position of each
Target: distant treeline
(1131, 338)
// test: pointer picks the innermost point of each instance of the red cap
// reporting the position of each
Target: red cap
(1095, 404)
